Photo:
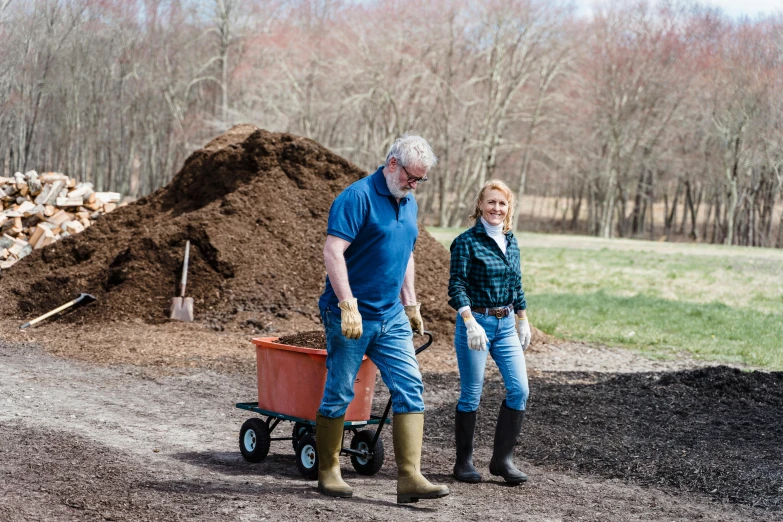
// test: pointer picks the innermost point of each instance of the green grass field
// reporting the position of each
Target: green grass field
(723, 303)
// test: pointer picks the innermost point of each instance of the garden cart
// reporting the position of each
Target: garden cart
(366, 447)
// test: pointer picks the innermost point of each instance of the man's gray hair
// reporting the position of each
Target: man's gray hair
(412, 151)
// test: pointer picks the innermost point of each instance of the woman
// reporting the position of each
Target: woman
(485, 287)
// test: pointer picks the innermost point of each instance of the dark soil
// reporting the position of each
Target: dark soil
(315, 339)
(46, 493)
(715, 431)
(254, 206)
(80, 441)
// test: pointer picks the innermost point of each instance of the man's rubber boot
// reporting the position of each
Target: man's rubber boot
(408, 432)
(508, 428)
(328, 442)
(464, 427)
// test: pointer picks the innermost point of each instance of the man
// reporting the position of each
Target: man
(369, 307)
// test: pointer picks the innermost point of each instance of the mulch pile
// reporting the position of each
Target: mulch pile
(715, 431)
(254, 206)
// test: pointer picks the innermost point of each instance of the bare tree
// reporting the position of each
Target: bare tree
(605, 117)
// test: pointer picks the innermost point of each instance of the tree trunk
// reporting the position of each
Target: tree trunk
(706, 225)
(694, 234)
(443, 192)
(717, 224)
(592, 210)
(779, 241)
(611, 195)
(637, 216)
(731, 209)
(622, 217)
(576, 207)
(686, 204)
(670, 216)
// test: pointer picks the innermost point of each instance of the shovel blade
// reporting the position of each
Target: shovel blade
(182, 309)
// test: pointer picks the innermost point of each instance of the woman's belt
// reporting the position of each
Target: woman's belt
(499, 312)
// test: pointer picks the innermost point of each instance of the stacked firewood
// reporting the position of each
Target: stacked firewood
(39, 209)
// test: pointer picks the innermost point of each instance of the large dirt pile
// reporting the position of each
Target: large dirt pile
(254, 206)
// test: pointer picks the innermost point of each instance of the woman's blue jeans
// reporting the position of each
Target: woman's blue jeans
(389, 344)
(505, 349)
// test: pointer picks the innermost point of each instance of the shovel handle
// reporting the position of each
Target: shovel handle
(49, 314)
(185, 269)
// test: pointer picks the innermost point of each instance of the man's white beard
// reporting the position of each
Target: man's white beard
(397, 190)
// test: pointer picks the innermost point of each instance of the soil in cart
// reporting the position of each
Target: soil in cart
(315, 339)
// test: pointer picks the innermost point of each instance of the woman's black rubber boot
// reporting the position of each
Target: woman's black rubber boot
(508, 428)
(464, 427)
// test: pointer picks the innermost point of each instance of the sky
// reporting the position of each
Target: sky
(748, 7)
(734, 8)
(751, 8)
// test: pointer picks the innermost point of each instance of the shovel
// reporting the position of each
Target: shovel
(83, 299)
(182, 307)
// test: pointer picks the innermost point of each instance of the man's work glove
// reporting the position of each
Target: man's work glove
(414, 316)
(523, 328)
(351, 318)
(477, 337)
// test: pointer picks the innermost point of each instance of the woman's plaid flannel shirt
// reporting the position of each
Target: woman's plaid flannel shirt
(481, 275)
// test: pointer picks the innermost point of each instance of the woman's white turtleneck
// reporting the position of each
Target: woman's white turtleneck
(496, 233)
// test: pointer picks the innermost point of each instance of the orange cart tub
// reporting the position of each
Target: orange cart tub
(291, 381)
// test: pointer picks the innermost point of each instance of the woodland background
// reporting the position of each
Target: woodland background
(646, 119)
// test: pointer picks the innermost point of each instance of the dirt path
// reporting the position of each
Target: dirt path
(84, 442)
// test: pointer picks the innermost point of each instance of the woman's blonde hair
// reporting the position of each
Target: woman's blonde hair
(496, 184)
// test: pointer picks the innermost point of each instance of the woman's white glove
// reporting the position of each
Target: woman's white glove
(477, 337)
(523, 329)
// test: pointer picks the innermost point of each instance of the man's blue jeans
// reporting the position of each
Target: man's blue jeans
(389, 344)
(505, 349)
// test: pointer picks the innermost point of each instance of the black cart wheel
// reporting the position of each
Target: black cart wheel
(300, 430)
(362, 441)
(254, 440)
(307, 457)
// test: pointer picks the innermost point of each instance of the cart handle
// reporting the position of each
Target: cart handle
(425, 345)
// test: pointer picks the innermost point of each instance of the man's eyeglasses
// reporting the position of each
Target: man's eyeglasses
(414, 178)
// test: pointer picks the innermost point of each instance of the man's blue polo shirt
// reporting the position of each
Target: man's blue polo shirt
(382, 234)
